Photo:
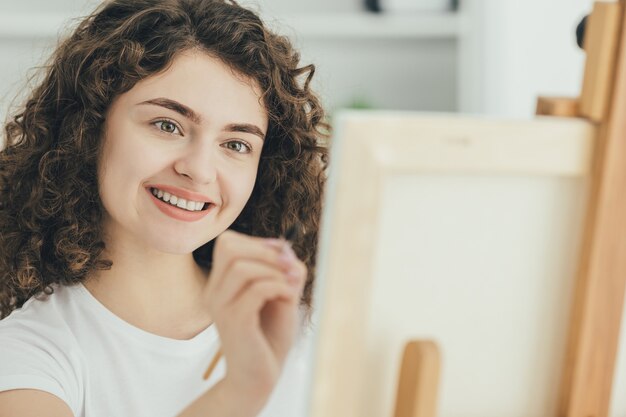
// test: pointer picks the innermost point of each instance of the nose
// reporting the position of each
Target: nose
(198, 162)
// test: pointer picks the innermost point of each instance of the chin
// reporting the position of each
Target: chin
(174, 249)
(175, 246)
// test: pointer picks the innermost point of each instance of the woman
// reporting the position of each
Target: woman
(144, 188)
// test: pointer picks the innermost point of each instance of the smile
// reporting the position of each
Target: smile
(177, 212)
(179, 201)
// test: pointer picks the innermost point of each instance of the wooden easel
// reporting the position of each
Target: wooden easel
(589, 361)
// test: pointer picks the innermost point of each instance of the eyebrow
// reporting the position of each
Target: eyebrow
(188, 113)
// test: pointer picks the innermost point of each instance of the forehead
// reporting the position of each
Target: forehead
(208, 86)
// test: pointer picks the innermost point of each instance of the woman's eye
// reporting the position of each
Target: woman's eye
(239, 146)
(167, 127)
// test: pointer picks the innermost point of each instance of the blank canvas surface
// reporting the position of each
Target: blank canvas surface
(484, 266)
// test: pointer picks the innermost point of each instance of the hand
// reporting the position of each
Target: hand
(253, 293)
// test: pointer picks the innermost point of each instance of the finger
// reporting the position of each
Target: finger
(276, 243)
(235, 246)
(245, 273)
(261, 320)
(251, 301)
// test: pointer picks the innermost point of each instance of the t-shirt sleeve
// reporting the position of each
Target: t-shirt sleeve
(32, 361)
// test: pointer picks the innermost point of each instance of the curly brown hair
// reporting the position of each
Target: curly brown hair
(50, 209)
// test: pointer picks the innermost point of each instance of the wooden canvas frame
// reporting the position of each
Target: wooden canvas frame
(372, 145)
(598, 303)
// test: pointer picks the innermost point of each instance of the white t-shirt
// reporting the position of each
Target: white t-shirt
(72, 346)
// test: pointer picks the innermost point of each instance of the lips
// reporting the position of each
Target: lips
(179, 213)
(179, 202)
(182, 193)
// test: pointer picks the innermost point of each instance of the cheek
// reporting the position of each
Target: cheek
(240, 184)
(127, 159)
(124, 167)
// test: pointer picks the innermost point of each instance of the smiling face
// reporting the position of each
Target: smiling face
(193, 133)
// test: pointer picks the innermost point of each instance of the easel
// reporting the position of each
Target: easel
(589, 361)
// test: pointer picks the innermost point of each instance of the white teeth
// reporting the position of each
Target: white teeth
(177, 201)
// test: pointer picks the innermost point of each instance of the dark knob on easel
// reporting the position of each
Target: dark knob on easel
(580, 32)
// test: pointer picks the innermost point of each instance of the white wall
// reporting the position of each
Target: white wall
(47, 6)
(512, 51)
(399, 72)
(506, 53)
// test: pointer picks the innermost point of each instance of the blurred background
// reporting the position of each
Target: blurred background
(484, 57)
(473, 56)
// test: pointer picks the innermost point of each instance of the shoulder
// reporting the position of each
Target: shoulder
(38, 350)
(41, 321)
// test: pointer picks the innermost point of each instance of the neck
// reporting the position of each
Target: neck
(155, 291)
